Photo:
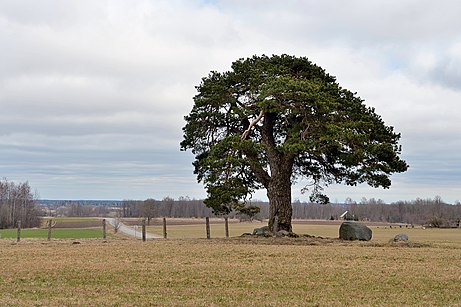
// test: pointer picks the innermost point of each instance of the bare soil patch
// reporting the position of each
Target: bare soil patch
(217, 220)
(177, 221)
(339, 222)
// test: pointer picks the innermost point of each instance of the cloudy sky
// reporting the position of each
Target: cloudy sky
(93, 93)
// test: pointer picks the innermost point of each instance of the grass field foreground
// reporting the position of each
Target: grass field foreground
(197, 272)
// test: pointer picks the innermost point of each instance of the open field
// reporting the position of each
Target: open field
(64, 228)
(236, 271)
(73, 219)
(65, 233)
(328, 229)
(73, 222)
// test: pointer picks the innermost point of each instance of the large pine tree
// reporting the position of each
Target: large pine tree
(271, 120)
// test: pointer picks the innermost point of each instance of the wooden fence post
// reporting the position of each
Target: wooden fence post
(49, 229)
(164, 228)
(18, 238)
(103, 229)
(226, 226)
(207, 222)
(144, 230)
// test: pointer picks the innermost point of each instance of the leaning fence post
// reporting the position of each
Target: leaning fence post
(226, 226)
(207, 222)
(49, 229)
(164, 228)
(18, 238)
(103, 229)
(144, 230)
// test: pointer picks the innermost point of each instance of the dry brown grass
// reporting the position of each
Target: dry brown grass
(195, 228)
(230, 272)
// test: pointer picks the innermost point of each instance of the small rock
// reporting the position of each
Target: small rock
(401, 237)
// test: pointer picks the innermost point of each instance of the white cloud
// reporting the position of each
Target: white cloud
(93, 93)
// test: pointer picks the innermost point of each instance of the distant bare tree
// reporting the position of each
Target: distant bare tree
(17, 203)
(131, 208)
(149, 209)
(117, 224)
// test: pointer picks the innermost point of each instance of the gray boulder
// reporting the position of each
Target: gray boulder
(262, 232)
(354, 231)
(401, 237)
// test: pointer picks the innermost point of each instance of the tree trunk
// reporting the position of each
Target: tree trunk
(279, 194)
(279, 185)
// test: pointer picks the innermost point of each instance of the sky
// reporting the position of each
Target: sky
(93, 94)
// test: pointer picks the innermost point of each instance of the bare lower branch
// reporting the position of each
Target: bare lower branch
(254, 122)
(305, 133)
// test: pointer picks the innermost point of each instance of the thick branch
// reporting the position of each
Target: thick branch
(267, 135)
(254, 122)
(256, 167)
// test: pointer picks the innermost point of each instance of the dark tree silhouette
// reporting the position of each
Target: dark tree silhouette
(271, 120)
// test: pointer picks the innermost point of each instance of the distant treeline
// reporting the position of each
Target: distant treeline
(432, 212)
(420, 211)
(17, 203)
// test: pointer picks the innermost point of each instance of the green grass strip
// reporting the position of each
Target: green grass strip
(55, 234)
